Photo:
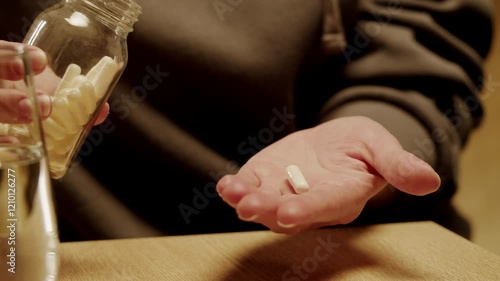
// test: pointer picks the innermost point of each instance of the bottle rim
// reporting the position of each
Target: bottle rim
(119, 14)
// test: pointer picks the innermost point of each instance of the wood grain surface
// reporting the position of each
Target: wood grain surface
(404, 251)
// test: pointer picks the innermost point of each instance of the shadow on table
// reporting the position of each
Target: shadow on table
(320, 255)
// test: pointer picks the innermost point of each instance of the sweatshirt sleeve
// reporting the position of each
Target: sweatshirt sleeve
(422, 61)
(431, 49)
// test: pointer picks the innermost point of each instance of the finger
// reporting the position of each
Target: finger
(8, 44)
(9, 139)
(248, 179)
(262, 207)
(233, 188)
(13, 68)
(103, 114)
(409, 173)
(400, 168)
(38, 60)
(254, 201)
(260, 204)
(15, 107)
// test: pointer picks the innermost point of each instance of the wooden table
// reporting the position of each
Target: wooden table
(416, 251)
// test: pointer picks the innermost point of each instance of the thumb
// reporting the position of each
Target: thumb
(401, 169)
(407, 172)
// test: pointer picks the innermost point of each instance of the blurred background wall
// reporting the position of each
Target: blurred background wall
(479, 194)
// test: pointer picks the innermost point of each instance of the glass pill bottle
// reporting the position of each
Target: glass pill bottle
(86, 46)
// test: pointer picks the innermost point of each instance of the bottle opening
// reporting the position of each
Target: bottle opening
(117, 14)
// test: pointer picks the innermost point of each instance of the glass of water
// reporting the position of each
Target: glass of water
(29, 240)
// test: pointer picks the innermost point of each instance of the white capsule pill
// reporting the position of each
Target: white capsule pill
(104, 77)
(77, 81)
(4, 129)
(50, 143)
(87, 94)
(102, 85)
(62, 116)
(65, 145)
(53, 130)
(96, 70)
(57, 161)
(14, 129)
(296, 179)
(77, 108)
(72, 71)
(22, 130)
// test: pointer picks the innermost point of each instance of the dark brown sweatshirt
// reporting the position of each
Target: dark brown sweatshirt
(210, 83)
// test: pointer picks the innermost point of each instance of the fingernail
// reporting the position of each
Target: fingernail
(39, 59)
(252, 218)
(438, 184)
(45, 104)
(24, 110)
(286, 225)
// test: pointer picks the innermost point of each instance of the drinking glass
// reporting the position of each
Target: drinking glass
(29, 240)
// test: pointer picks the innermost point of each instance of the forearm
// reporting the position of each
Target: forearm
(412, 68)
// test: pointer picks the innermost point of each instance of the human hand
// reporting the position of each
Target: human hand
(14, 105)
(346, 162)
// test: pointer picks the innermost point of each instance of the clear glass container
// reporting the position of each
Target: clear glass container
(29, 241)
(86, 46)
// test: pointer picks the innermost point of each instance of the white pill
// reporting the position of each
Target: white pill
(103, 83)
(77, 81)
(50, 143)
(102, 75)
(65, 145)
(4, 129)
(56, 160)
(296, 179)
(62, 116)
(95, 71)
(87, 94)
(14, 130)
(63, 93)
(72, 71)
(77, 108)
(53, 130)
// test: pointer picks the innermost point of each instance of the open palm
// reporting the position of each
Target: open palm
(346, 162)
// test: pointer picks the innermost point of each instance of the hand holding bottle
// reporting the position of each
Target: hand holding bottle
(14, 107)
